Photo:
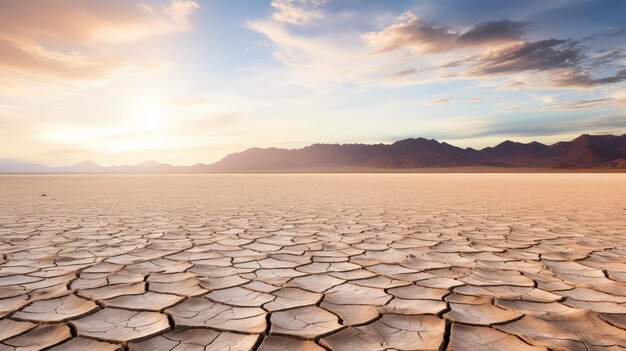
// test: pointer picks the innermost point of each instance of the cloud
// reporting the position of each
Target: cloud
(579, 78)
(608, 58)
(440, 101)
(502, 49)
(90, 22)
(326, 60)
(413, 33)
(602, 124)
(491, 32)
(414, 51)
(287, 12)
(609, 102)
(497, 48)
(316, 62)
(32, 59)
(614, 31)
(611, 31)
(565, 59)
(524, 56)
(410, 32)
(404, 72)
(50, 41)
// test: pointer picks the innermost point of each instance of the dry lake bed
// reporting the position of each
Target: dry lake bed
(313, 262)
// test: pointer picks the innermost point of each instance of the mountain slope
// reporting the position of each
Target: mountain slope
(408, 153)
(19, 166)
(583, 152)
(586, 151)
(511, 153)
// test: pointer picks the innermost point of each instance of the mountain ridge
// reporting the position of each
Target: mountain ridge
(585, 151)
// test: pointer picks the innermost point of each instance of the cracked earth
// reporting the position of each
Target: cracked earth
(313, 262)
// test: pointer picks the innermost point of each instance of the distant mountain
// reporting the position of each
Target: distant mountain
(586, 151)
(510, 153)
(90, 167)
(408, 153)
(18, 166)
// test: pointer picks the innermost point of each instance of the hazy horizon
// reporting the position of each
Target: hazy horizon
(144, 162)
(186, 82)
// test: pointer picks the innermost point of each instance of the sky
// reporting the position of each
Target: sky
(183, 82)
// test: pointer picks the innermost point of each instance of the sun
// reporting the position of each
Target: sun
(149, 115)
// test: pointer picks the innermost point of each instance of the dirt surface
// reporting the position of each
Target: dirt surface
(313, 262)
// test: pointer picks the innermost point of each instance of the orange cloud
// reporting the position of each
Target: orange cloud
(88, 22)
(30, 58)
(413, 33)
(83, 35)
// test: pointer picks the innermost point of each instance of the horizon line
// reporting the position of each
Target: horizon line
(35, 163)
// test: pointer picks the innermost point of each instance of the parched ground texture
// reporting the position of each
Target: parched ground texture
(313, 262)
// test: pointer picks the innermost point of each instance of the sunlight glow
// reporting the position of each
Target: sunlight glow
(149, 115)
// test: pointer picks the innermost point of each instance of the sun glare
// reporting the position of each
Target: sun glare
(149, 115)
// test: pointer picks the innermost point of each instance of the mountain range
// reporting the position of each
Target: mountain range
(586, 151)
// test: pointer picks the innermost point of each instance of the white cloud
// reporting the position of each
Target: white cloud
(288, 12)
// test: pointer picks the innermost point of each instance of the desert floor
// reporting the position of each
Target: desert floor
(313, 262)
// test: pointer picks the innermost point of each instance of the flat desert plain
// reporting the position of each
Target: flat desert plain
(313, 262)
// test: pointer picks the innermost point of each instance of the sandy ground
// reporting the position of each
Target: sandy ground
(313, 262)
